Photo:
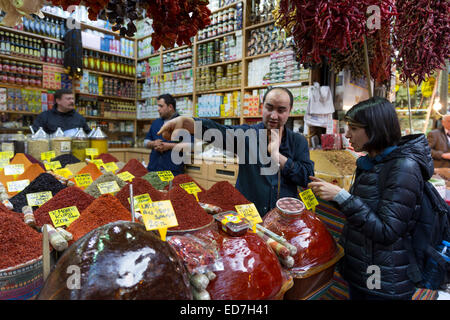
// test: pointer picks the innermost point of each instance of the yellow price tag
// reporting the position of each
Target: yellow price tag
(14, 169)
(126, 176)
(98, 162)
(138, 200)
(47, 156)
(53, 165)
(309, 199)
(83, 180)
(249, 212)
(111, 167)
(108, 187)
(159, 216)
(6, 154)
(191, 188)
(165, 175)
(64, 216)
(92, 152)
(17, 186)
(38, 198)
(66, 173)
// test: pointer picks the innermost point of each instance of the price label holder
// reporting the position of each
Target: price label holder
(17, 186)
(92, 152)
(191, 188)
(6, 155)
(64, 216)
(83, 180)
(14, 170)
(48, 156)
(159, 216)
(108, 187)
(140, 199)
(66, 173)
(111, 167)
(249, 212)
(126, 176)
(309, 199)
(98, 162)
(38, 198)
(53, 165)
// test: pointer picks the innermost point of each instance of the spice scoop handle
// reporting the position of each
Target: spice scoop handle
(292, 249)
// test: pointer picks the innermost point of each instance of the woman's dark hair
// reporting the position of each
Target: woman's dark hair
(291, 98)
(168, 99)
(378, 118)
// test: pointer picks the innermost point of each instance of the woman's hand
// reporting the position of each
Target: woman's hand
(324, 190)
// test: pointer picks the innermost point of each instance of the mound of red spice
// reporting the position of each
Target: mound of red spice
(19, 243)
(101, 211)
(223, 195)
(189, 213)
(68, 197)
(135, 168)
(183, 178)
(107, 158)
(140, 186)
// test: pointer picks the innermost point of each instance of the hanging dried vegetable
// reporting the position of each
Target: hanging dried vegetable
(421, 36)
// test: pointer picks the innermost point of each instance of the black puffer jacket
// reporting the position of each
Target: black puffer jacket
(378, 220)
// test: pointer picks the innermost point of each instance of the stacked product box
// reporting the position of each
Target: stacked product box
(258, 71)
(209, 105)
(145, 48)
(267, 39)
(284, 67)
(3, 95)
(151, 87)
(147, 109)
(230, 105)
(21, 99)
(178, 82)
(252, 103)
(185, 107)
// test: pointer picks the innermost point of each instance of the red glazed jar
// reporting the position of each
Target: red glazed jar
(317, 251)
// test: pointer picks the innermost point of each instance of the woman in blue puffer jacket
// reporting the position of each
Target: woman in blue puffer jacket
(379, 214)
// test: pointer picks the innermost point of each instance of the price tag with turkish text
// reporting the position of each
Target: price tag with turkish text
(111, 167)
(126, 176)
(309, 199)
(108, 187)
(191, 188)
(92, 152)
(159, 216)
(6, 155)
(98, 162)
(14, 169)
(66, 173)
(83, 180)
(17, 186)
(48, 156)
(165, 175)
(64, 216)
(38, 198)
(138, 200)
(53, 165)
(249, 212)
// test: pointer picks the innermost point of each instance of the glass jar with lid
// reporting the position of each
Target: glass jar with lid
(99, 140)
(38, 143)
(60, 143)
(80, 142)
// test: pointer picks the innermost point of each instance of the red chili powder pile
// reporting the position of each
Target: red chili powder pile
(107, 158)
(101, 211)
(140, 186)
(19, 243)
(68, 197)
(223, 195)
(189, 213)
(135, 168)
(183, 178)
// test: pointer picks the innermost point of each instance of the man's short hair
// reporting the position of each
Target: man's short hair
(291, 97)
(168, 99)
(59, 93)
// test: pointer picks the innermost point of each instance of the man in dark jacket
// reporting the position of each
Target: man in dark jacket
(63, 115)
(379, 214)
(439, 140)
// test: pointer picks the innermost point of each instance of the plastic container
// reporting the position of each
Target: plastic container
(38, 143)
(80, 142)
(317, 251)
(99, 140)
(232, 223)
(60, 143)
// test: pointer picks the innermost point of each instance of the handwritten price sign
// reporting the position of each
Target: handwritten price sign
(159, 216)
(64, 216)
